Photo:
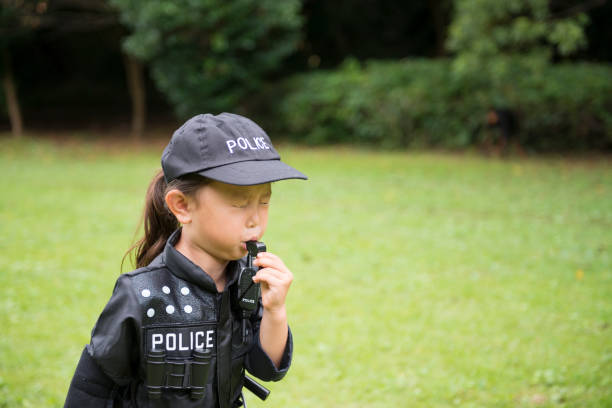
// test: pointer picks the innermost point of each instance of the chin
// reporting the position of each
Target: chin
(240, 254)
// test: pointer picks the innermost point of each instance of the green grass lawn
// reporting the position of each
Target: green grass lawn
(421, 279)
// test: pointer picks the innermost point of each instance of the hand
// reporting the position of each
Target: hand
(275, 279)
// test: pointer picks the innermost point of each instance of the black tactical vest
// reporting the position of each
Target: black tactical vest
(160, 318)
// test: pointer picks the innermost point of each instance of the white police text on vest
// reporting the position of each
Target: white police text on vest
(243, 143)
(182, 341)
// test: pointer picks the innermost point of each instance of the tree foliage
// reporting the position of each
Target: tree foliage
(206, 54)
(491, 28)
(497, 40)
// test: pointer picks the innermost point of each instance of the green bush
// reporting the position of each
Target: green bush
(421, 102)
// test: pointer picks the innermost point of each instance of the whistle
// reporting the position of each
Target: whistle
(254, 247)
(249, 293)
(247, 289)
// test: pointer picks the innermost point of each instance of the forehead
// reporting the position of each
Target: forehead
(231, 190)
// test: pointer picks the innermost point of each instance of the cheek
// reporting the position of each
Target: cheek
(213, 220)
(226, 220)
(263, 217)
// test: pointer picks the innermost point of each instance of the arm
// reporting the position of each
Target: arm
(115, 337)
(90, 387)
(273, 334)
(109, 361)
(275, 279)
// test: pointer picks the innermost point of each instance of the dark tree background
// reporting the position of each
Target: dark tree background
(374, 29)
(70, 71)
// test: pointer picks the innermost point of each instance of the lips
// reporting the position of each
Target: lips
(243, 243)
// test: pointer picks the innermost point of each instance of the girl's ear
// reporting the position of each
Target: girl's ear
(178, 204)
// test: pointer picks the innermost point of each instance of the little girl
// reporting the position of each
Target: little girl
(174, 333)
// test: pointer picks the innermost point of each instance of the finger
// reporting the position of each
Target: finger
(269, 259)
(268, 254)
(277, 269)
(271, 277)
(269, 285)
(268, 277)
(282, 276)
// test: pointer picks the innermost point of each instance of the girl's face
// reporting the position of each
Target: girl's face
(225, 216)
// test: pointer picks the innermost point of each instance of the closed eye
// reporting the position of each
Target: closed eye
(265, 200)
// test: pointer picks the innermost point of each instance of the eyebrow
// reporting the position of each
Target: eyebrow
(244, 195)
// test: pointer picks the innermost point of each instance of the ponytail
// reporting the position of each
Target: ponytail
(159, 222)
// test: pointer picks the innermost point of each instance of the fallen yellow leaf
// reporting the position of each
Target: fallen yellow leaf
(579, 274)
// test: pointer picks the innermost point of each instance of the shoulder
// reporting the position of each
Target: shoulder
(155, 268)
(156, 264)
(140, 271)
(140, 274)
(139, 280)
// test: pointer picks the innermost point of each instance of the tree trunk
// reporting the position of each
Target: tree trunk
(10, 93)
(135, 81)
(439, 10)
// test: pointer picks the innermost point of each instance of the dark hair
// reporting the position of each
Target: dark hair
(159, 222)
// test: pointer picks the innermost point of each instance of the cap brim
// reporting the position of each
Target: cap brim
(248, 173)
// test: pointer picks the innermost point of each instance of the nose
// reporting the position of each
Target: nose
(253, 219)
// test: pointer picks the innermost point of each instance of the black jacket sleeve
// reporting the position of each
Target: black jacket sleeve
(258, 363)
(111, 359)
(115, 337)
(90, 387)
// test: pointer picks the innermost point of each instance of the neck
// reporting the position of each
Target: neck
(214, 267)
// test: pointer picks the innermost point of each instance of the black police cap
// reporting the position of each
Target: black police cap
(226, 147)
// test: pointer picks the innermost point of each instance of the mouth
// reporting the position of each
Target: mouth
(243, 243)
